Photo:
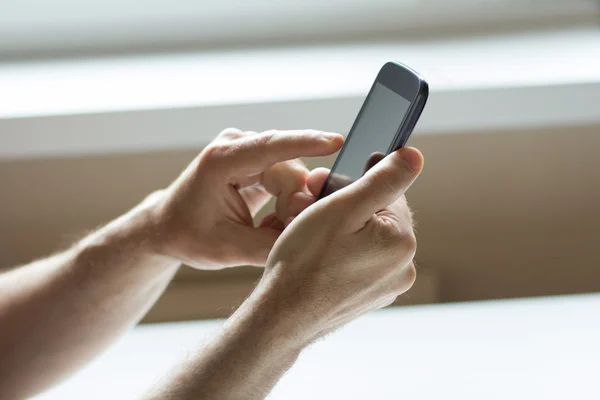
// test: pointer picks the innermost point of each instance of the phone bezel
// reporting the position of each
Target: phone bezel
(408, 84)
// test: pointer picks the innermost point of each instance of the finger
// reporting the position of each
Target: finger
(297, 203)
(316, 180)
(289, 206)
(382, 185)
(285, 177)
(284, 215)
(271, 221)
(287, 181)
(373, 160)
(281, 177)
(254, 154)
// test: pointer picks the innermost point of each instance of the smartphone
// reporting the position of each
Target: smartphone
(384, 123)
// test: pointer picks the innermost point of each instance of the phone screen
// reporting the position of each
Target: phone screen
(370, 138)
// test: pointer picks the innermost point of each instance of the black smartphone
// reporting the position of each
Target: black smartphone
(384, 124)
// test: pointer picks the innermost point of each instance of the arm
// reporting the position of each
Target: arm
(346, 255)
(244, 361)
(60, 312)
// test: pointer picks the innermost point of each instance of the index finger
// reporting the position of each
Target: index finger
(254, 154)
(382, 185)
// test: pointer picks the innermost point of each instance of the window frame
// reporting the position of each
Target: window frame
(71, 28)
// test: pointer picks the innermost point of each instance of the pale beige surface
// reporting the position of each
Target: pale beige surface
(543, 348)
(500, 214)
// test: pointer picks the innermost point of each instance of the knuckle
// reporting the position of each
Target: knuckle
(410, 245)
(215, 150)
(266, 136)
(389, 236)
(230, 133)
(213, 156)
(154, 197)
(393, 239)
(263, 140)
(406, 279)
(411, 274)
(295, 179)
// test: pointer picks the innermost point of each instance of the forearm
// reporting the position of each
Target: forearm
(58, 313)
(251, 353)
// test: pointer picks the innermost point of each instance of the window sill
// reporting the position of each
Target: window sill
(55, 109)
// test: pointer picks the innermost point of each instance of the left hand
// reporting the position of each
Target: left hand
(205, 218)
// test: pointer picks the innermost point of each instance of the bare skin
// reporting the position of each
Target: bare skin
(344, 256)
(326, 263)
(58, 313)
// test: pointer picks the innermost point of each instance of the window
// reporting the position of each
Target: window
(70, 27)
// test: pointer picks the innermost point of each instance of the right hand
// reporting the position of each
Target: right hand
(347, 254)
(205, 217)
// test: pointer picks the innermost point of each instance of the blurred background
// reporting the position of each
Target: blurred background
(104, 102)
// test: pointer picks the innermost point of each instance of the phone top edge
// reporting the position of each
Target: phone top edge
(403, 80)
(405, 67)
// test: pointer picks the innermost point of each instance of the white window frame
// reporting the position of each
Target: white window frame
(55, 109)
(43, 28)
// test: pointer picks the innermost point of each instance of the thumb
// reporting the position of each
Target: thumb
(383, 184)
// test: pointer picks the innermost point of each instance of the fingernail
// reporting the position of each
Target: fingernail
(411, 159)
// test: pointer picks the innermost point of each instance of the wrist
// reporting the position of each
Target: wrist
(270, 311)
(134, 233)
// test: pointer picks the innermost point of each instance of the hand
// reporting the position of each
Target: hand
(348, 254)
(345, 255)
(336, 180)
(205, 218)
